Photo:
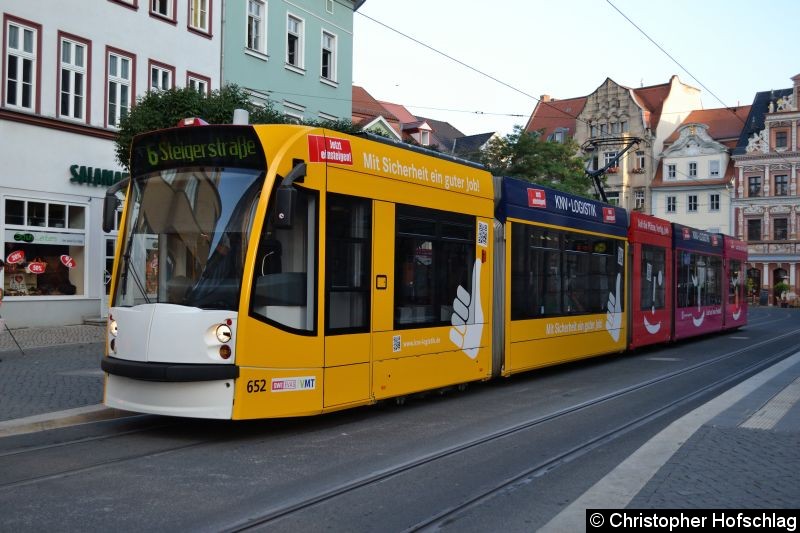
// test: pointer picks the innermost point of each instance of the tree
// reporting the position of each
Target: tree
(527, 156)
(164, 109)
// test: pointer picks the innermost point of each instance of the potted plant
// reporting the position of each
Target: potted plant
(780, 290)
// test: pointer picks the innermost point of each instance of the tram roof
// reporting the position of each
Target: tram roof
(537, 203)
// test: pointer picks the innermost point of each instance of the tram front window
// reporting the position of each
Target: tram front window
(186, 237)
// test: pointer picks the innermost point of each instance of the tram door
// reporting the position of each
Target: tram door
(109, 244)
(349, 244)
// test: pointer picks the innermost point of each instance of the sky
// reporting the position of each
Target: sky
(565, 48)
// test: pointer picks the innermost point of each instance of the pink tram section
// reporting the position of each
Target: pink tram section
(735, 257)
(699, 278)
(652, 307)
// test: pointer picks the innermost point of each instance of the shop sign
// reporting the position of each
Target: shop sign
(68, 261)
(36, 267)
(42, 237)
(99, 177)
(15, 258)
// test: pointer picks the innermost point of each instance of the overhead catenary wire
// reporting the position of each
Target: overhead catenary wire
(560, 112)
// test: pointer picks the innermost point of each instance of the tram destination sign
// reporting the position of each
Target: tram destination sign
(214, 146)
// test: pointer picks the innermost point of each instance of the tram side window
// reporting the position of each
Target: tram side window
(556, 272)
(653, 283)
(284, 280)
(699, 280)
(348, 264)
(735, 282)
(535, 272)
(434, 254)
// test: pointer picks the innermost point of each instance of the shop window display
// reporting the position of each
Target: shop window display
(43, 270)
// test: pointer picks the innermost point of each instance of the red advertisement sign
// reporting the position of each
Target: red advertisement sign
(36, 267)
(15, 258)
(609, 215)
(537, 198)
(687, 234)
(329, 150)
(67, 261)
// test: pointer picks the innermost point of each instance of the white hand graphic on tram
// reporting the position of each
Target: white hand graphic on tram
(467, 318)
(614, 315)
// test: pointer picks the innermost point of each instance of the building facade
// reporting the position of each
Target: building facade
(296, 55)
(614, 116)
(68, 75)
(693, 182)
(767, 204)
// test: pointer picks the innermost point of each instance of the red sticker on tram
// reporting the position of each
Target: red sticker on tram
(537, 198)
(329, 150)
(609, 215)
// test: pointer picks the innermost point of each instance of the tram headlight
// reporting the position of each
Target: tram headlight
(224, 333)
(112, 327)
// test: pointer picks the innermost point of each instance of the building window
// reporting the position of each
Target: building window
(609, 156)
(671, 172)
(640, 159)
(692, 170)
(623, 125)
(199, 16)
(161, 77)
(713, 202)
(120, 90)
(163, 8)
(781, 185)
(293, 111)
(638, 198)
(613, 197)
(603, 129)
(197, 82)
(713, 169)
(780, 229)
(329, 6)
(754, 229)
(294, 42)
(72, 81)
(754, 186)
(615, 127)
(21, 68)
(593, 130)
(781, 140)
(328, 56)
(50, 261)
(672, 203)
(256, 25)
(692, 203)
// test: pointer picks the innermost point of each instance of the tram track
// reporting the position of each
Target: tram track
(165, 432)
(541, 467)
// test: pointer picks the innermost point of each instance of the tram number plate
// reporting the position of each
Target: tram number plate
(257, 385)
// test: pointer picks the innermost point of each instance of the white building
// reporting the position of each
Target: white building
(67, 76)
(693, 184)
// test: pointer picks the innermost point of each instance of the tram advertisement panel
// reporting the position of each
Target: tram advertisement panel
(699, 276)
(736, 304)
(651, 299)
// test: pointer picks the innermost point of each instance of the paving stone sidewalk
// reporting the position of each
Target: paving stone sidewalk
(49, 336)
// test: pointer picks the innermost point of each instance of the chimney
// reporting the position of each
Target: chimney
(545, 98)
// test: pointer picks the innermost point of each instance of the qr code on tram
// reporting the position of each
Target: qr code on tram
(483, 234)
(396, 343)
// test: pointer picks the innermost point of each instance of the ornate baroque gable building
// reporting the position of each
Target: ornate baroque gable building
(692, 185)
(608, 119)
(614, 114)
(766, 205)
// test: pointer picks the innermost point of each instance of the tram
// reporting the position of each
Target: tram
(281, 270)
